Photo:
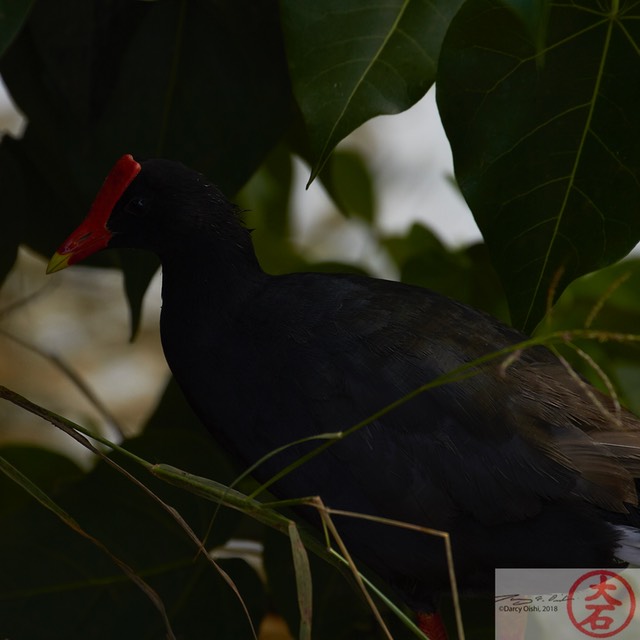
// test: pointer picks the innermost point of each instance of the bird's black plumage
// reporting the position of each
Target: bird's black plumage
(520, 462)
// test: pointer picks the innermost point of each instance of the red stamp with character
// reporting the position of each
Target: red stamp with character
(607, 607)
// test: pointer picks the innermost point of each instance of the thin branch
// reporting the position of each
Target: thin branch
(76, 432)
(70, 373)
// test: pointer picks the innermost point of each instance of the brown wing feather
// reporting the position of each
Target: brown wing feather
(581, 428)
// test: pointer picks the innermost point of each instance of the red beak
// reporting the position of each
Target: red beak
(93, 234)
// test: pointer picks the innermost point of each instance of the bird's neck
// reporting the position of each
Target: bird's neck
(203, 295)
(204, 275)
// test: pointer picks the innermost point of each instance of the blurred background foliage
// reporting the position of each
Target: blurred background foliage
(541, 104)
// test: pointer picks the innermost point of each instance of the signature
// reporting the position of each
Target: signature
(520, 603)
(517, 599)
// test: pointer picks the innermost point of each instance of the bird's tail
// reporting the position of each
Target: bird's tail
(628, 548)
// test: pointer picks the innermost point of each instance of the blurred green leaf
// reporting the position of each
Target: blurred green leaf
(265, 201)
(546, 156)
(304, 582)
(352, 60)
(13, 13)
(13, 188)
(465, 274)
(348, 181)
(478, 614)
(339, 612)
(607, 301)
(534, 15)
(67, 574)
(41, 195)
(180, 85)
(53, 507)
(49, 470)
(331, 266)
(172, 410)
(268, 192)
(138, 268)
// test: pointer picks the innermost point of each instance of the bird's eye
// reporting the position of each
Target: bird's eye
(138, 206)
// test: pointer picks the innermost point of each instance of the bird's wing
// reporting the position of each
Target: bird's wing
(496, 444)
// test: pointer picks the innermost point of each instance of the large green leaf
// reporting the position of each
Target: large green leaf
(205, 83)
(351, 60)
(546, 142)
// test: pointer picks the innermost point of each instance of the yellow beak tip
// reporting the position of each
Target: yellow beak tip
(58, 262)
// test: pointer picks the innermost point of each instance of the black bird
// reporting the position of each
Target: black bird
(522, 463)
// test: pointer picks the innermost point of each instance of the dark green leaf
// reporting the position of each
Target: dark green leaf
(50, 504)
(150, 79)
(13, 13)
(265, 200)
(304, 582)
(466, 274)
(478, 615)
(138, 268)
(179, 79)
(352, 60)
(348, 181)
(546, 155)
(12, 188)
(534, 15)
(339, 612)
(266, 195)
(96, 80)
(172, 410)
(49, 470)
(338, 267)
(51, 575)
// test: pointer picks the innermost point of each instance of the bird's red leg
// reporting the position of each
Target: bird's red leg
(432, 626)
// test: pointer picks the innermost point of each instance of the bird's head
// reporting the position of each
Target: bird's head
(150, 205)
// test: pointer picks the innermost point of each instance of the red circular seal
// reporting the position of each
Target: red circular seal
(607, 607)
